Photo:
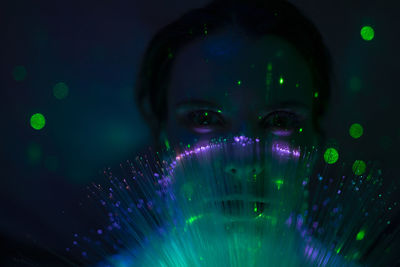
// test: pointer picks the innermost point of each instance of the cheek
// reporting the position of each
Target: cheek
(304, 137)
(307, 136)
(176, 134)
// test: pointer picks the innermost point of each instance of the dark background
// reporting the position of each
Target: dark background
(95, 49)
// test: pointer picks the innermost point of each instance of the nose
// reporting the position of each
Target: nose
(243, 171)
(245, 129)
(249, 128)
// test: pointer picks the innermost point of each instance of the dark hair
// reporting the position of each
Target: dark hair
(255, 17)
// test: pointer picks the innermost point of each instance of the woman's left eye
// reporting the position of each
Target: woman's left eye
(205, 118)
(281, 123)
(202, 121)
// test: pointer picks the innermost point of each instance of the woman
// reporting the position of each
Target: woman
(253, 68)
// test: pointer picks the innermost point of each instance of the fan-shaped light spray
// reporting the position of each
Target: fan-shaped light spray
(239, 202)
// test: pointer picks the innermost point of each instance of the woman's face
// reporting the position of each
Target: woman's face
(230, 84)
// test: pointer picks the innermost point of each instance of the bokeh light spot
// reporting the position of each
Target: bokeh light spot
(51, 163)
(359, 167)
(38, 121)
(355, 84)
(34, 153)
(356, 130)
(60, 90)
(19, 73)
(367, 33)
(331, 155)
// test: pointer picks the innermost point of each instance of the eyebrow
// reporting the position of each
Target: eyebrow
(289, 104)
(196, 103)
(297, 106)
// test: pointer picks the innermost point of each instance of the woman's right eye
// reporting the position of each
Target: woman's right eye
(203, 121)
(282, 123)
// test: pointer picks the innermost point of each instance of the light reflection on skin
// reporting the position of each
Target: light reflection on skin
(268, 191)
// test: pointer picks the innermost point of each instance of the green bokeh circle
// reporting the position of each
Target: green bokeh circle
(356, 130)
(359, 167)
(19, 73)
(38, 121)
(367, 33)
(60, 90)
(331, 155)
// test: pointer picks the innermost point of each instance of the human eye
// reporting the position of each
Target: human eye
(281, 122)
(202, 121)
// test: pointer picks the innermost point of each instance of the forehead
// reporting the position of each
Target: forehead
(229, 66)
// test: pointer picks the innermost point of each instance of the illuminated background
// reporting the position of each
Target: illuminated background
(76, 65)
